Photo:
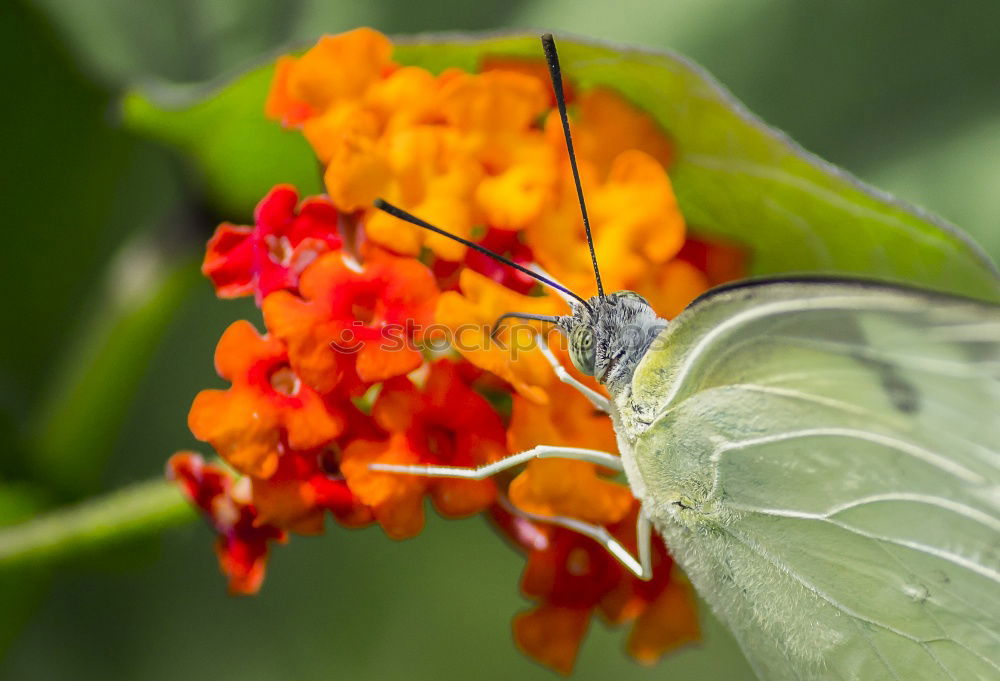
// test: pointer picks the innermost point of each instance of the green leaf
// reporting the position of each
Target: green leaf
(78, 424)
(239, 153)
(734, 176)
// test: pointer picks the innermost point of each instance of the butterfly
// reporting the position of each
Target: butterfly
(820, 455)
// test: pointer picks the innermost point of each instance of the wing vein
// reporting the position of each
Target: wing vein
(845, 302)
(819, 593)
(866, 635)
(944, 634)
(901, 446)
(952, 369)
(982, 453)
(809, 586)
(957, 560)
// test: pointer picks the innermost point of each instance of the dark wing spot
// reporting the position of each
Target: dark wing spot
(903, 395)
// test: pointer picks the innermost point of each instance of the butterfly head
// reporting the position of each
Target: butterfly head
(609, 335)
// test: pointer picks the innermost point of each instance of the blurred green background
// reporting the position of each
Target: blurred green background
(110, 329)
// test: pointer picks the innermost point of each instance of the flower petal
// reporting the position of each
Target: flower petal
(397, 500)
(345, 315)
(339, 67)
(266, 401)
(552, 635)
(559, 487)
(514, 355)
(670, 622)
(272, 254)
(242, 543)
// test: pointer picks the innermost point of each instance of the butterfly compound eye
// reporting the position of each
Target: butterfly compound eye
(581, 349)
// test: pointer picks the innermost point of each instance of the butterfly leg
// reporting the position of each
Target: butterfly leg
(596, 398)
(605, 459)
(641, 567)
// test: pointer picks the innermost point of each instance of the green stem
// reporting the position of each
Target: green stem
(141, 510)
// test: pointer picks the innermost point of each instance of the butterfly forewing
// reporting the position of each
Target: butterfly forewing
(824, 460)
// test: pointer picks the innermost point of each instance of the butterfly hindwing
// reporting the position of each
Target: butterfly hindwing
(824, 460)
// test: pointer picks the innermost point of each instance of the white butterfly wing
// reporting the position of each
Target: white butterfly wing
(824, 460)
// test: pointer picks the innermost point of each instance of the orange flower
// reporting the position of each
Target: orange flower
(353, 318)
(636, 223)
(338, 133)
(670, 621)
(492, 103)
(552, 634)
(513, 356)
(639, 224)
(405, 96)
(561, 487)
(516, 197)
(453, 426)
(569, 488)
(670, 287)
(663, 608)
(356, 173)
(568, 419)
(397, 501)
(432, 176)
(608, 125)
(455, 149)
(281, 104)
(569, 576)
(322, 91)
(338, 67)
(496, 113)
(535, 68)
(266, 401)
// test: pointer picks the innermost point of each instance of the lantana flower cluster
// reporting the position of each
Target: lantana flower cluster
(376, 339)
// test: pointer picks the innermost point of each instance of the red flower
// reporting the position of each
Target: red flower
(445, 423)
(267, 401)
(449, 424)
(242, 542)
(370, 313)
(301, 490)
(572, 577)
(271, 255)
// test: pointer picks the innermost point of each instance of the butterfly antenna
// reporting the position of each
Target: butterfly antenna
(498, 324)
(397, 212)
(552, 59)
